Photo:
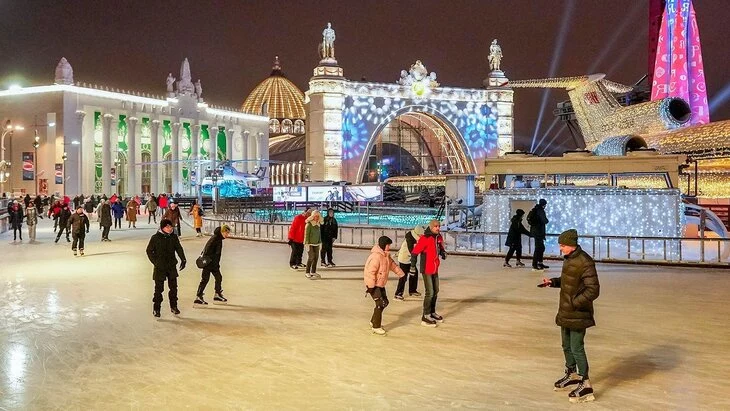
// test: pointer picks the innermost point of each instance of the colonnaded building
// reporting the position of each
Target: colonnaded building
(77, 138)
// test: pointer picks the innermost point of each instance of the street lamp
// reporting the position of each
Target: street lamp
(36, 144)
(64, 157)
(9, 129)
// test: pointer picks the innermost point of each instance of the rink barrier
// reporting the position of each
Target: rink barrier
(707, 252)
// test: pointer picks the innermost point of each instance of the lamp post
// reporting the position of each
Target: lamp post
(36, 144)
(64, 157)
(9, 129)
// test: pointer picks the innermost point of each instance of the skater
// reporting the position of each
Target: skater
(431, 244)
(38, 202)
(578, 283)
(537, 220)
(161, 252)
(63, 218)
(213, 249)
(16, 219)
(55, 212)
(296, 240)
(79, 225)
(151, 207)
(105, 219)
(118, 209)
(132, 207)
(197, 212)
(514, 239)
(31, 219)
(408, 264)
(173, 214)
(377, 267)
(313, 242)
(329, 235)
(162, 201)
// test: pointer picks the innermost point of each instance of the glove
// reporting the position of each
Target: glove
(182, 264)
(443, 255)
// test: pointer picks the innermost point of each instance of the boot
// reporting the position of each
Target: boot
(199, 301)
(520, 263)
(219, 298)
(582, 393)
(569, 380)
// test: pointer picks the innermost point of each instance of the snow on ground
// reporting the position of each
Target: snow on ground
(78, 333)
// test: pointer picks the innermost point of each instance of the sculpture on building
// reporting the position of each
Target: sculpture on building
(419, 80)
(199, 90)
(495, 56)
(185, 85)
(327, 48)
(170, 85)
(64, 72)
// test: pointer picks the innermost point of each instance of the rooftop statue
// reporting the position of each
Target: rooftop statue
(64, 72)
(327, 48)
(170, 83)
(495, 56)
(185, 85)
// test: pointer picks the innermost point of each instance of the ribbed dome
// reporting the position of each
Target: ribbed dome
(282, 97)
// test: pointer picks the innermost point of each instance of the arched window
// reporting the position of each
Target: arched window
(299, 127)
(274, 126)
(287, 126)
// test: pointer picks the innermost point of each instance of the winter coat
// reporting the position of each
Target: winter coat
(151, 205)
(56, 210)
(404, 254)
(16, 216)
(432, 247)
(63, 217)
(173, 215)
(118, 209)
(213, 249)
(516, 229)
(31, 216)
(162, 201)
(132, 207)
(105, 215)
(329, 229)
(161, 252)
(312, 232)
(296, 230)
(377, 267)
(579, 286)
(537, 227)
(38, 204)
(197, 218)
(89, 206)
(78, 223)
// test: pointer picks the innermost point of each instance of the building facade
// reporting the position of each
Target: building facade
(94, 140)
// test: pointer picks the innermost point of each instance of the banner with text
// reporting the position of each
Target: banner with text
(59, 173)
(28, 166)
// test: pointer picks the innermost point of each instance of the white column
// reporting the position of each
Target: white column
(244, 150)
(195, 142)
(229, 143)
(213, 146)
(155, 157)
(106, 154)
(133, 185)
(175, 148)
(80, 187)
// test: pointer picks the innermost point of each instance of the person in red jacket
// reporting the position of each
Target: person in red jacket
(431, 245)
(296, 239)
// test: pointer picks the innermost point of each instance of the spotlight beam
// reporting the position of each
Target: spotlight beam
(545, 134)
(608, 47)
(720, 98)
(557, 134)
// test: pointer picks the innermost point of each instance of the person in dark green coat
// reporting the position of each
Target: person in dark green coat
(578, 283)
(313, 242)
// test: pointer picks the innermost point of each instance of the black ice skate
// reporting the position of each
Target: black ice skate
(175, 311)
(437, 318)
(81, 252)
(567, 381)
(582, 393)
(219, 299)
(520, 263)
(507, 265)
(75, 253)
(199, 302)
(428, 321)
(156, 313)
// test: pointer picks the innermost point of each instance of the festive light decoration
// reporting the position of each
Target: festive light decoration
(379, 220)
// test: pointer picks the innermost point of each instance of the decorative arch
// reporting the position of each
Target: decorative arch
(274, 126)
(287, 127)
(453, 136)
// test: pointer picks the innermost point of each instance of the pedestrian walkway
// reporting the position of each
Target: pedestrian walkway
(78, 332)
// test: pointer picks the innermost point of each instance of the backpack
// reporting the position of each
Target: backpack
(200, 211)
(531, 217)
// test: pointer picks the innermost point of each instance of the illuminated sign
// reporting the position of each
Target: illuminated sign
(288, 194)
(364, 193)
(326, 193)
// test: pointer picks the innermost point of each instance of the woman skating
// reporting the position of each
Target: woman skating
(197, 213)
(312, 242)
(213, 249)
(132, 207)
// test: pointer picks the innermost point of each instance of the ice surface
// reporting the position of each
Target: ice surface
(78, 333)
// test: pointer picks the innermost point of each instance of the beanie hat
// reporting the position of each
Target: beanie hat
(542, 202)
(520, 212)
(383, 241)
(569, 238)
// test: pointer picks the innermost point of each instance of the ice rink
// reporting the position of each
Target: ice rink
(78, 333)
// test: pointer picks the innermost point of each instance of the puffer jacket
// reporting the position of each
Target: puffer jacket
(329, 229)
(78, 223)
(404, 254)
(161, 252)
(516, 229)
(537, 230)
(377, 267)
(313, 232)
(31, 216)
(432, 247)
(578, 283)
(296, 230)
(214, 249)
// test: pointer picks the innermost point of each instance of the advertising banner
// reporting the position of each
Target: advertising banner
(113, 175)
(59, 173)
(28, 166)
(326, 193)
(43, 186)
(286, 194)
(364, 193)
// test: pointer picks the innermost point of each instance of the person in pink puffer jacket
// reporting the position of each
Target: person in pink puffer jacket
(377, 268)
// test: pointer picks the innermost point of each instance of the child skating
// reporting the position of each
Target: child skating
(377, 267)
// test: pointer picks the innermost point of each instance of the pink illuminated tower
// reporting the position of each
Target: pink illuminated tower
(678, 70)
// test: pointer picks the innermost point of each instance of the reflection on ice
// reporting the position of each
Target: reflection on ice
(16, 362)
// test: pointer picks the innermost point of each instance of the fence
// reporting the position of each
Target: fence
(714, 252)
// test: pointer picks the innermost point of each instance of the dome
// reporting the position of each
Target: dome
(283, 99)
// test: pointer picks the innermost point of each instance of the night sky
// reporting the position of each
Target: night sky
(231, 44)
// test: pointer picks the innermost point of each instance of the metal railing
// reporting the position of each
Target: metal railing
(714, 252)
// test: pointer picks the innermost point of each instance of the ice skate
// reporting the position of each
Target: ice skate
(506, 264)
(324, 265)
(542, 266)
(300, 266)
(308, 275)
(294, 267)
(582, 393)
(175, 311)
(379, 331)
(68, 240)
(519, 263)
(428, 322)
(219, 299)
(199, 302)
(567, 381)
(316, 276)
(56, 240)
(75, 253)
(156, 313)
(437, 318)
(415, 294)
(331, 264)
(399, 297)
(81, 252)
(537, 270)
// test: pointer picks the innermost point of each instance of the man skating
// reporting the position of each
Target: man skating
(161, 252)
(538, 220)
(578, 283)
(213, 249)
(79, 225)
(431, 244)
(63, 218)
(31, 220)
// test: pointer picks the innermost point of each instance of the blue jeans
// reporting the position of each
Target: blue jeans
(431, 284)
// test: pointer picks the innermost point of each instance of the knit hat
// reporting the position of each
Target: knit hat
(542, 202)
(383, 241)
(569, 238)
(520, 212)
